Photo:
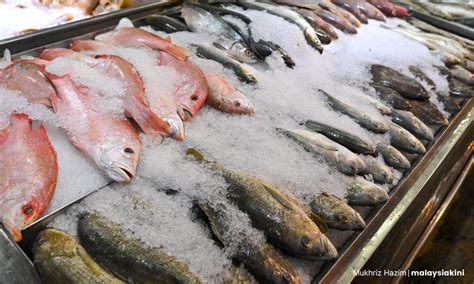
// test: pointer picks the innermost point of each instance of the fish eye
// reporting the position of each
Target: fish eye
(305, 241)
(237, 103)
(194, 98)
(373, 195)
(248, 53)
(43, 241)
(27, 209)
(129, 150)
(286, 277)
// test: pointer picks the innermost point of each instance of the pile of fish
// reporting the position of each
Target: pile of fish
(155, 86)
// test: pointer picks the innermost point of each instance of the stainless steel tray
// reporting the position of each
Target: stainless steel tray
(401, 220)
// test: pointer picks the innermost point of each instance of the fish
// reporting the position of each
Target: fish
(111, 142)
(451, 104)
(370, 10)
(411, 123)
(221, 57)
(336, 213)
(284, 222)
(335, 154)
(393, 157)
(128, 258)
(134, 100)
(390, 9)
(379, 171)
(263, 261)
(165, 105)
(166, 24)
(353, 8)
(372, 124)
(340, 12)
(364, 193)
(318, 23)
(392, 97)
(339, 22)
(458, 89)
(59, 258)
(323, 36)
(352, 142)
(136, 37)
(405, 86)
(25, 76)
(422, 76)
(225, 97)
(192, 89)
(404, 140)
(290, 16)
(462, 74)
(29, 171)
(428, 112)
(227, 38)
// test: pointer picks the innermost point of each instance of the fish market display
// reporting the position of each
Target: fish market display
(292, 165)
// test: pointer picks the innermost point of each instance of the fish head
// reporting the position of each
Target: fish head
(313, 40)
(278, 271)
(239, 104)
(118, 157)
(176, 126)
(20, 212)
(311, 243)
(53, 243)
(242, 53)
(417, 146)
(350, 220)
(351, 164)
(376, 194)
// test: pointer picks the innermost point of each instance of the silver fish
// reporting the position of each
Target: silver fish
(411, 123)
(365, 193)
(379, 171)
(393, 157)
(404, 140)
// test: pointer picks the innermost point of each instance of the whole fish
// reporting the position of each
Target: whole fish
(29, 171)
(364, 193)
(422, 76)
(372, 124)
(379, 171)
(112, 143)
(134, 100)
(227, 38)
(392, 97)
(390, 9)
(164, 105)
(451, 104)
(404, 140)
(264, 262)
(352, 142)
(370, 10)
(192, 89)
(428, 112)
(411, 123)
(462, 74)
(393, 157)
(340, 12)
(59, 258)
(284, 222)
(339, 22)
(458, 89)
(406, 86)
(317, 22)
(336, 213)
(25, 76)
(166, 24)
(221, 57)
(290, 16)
(128, 258)
(335, 154)
(136, 37)
(225, 97)
(353, 8)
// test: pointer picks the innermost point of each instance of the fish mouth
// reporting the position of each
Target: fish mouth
(121, 174)
(185, 114)
(176, 126)
(329, 251)
(14, 232)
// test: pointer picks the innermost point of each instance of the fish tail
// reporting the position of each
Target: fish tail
(179, 52)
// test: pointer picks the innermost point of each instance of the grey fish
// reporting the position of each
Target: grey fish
(166, 24)
(364, 120)
(365, 193)
(428, 112)
(335, 154)
(421, 75)
(290, 16)
(462, 74)
(220, 56)
(352, 142)
(393, 157)
(451, 104)
(379, 171)
(205, 22)
(264, 262)
(411, 123)
(60, 258)
(336, 213)
(392, 97)
(284, 222)
(458, 89)
(129, 258)
(317, 22)
(404, 140)
(406, 86)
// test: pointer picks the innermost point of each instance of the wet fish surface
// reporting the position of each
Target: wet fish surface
(411, 123)
(379, 171)
(393, 157)
(392, 97)
(428, 112)
(403, 140)
(364, 193)
(225, 97)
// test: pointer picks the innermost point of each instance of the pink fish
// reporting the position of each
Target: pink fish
(191, 90)
(29, 172)
(25, 76)
(370, 10)
(135, 102)
(135, 37)
(112, 143)
(225, 97)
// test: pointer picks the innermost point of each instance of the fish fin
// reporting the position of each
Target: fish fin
(211, 215)
(318, 221)
(179, 52)
(219, 46)
(280, 197)
(54, 100)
